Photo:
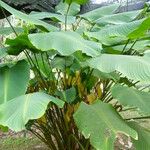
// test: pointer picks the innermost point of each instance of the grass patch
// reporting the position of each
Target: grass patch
(21, 143)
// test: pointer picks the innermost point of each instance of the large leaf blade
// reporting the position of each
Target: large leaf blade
(63, 8)
(141, 29)
(13, 81)
(100, 12)
(132, 97)
(55, 17)
(118, 18)
(17, 112)
(143, 137)
(9, 30)
(26, 17)
(113, 34)
(133, 67)
(66, 43)
(101, 123)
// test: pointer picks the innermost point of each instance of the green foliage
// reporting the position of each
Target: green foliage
(132, 97)
(133, 67)
(8, 30)
(119, 18)
(13, 81)
(103, 119)
(61, 63)
(63, 7)
(100, 12)
(140, 46)
(84, 70)
(26, 17)
(53, 16)
(143, 137)
(142, 29)
(17, 45)
(111, 35)
(31, 106)
(69, 95)
(69, 42)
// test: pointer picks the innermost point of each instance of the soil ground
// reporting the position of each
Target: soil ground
(20, 141)
(26, 141)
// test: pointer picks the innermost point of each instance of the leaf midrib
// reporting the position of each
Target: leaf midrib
(25, 108)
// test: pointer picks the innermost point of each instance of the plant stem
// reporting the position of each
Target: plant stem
(132, 46)
(82, 148)
(28, 58)
(43, 62)
(38, 70)
(75, 27)
(93, 24)
(125, 46)
(66, 16)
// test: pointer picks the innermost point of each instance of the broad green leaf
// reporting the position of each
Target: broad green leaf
(105, 76)
(118, 18)
(17, 112)
(26, 17)
(19, 44)
(13, 81)
(68, 95)
(147, 53)
(115, 33)
(55, 17)
(131, 97)
(76, 66)
(140, 46)
(9, 30)
(62, 8)
(141, 29)
(62, 62)
(100, 12)
(143, 137)
(101, 123)
(133, 67)
(66, 44)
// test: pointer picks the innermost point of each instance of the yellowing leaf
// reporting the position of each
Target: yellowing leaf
(98, 90)
(91, 98)
(42, 119)
(69, 80)
(69, 113)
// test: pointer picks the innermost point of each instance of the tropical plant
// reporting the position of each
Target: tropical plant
(73, 77)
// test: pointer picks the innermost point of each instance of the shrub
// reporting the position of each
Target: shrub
(86, 71)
